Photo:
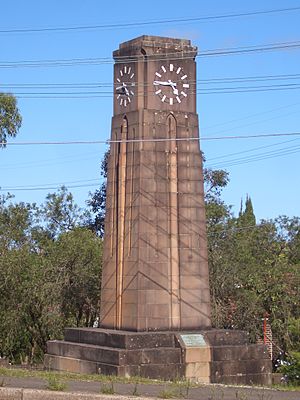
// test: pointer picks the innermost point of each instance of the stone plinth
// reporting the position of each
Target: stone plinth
(110, 352)
(223, 357)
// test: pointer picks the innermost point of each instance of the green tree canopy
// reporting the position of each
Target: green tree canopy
(10, 118)
(49, 274)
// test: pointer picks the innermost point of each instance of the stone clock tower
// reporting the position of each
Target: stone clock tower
(155, 272)
(155, 305)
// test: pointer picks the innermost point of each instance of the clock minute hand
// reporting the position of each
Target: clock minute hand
(173, 86)
(167, 83)
(163, 83)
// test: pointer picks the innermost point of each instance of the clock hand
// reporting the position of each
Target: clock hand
(168, 83)
(164, 83)
(123, 89)
(173, 86)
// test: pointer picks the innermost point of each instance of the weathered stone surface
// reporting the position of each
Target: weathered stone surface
(198, 370)
(240, 352)
(221, 337)
(60, 363)
(120, 339)
(155, 219)
(11, 394)
(162, 355)
(114, 356)
(163, 371)
(198, 354)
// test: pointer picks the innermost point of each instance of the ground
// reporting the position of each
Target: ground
(135, 387)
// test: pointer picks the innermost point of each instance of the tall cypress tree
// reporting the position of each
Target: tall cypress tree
(247, 216)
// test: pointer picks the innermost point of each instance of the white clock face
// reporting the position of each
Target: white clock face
(171, 84)
(125, 85)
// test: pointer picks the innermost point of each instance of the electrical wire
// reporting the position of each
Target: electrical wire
(7, 189)
(278, 115)
(208, 81)
(107, 142)
(82, 157)
(53, 183)
(257, 157)
(251, 150)
(220, 90)
(105, 96)
(147, 23)
(238, 161)
(136, 59)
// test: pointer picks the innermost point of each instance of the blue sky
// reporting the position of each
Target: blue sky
(271, 180)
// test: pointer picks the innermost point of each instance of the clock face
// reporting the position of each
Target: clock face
(125, 85)
(171, 84)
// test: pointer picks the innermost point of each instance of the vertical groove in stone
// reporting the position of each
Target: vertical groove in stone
(131, 196)
(114, 155)
(173, 222)
(120, 222)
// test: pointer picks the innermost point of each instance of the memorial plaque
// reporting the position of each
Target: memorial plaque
(193, 340)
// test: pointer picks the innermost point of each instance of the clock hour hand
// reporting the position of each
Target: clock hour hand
(175, 91)
(122, 89)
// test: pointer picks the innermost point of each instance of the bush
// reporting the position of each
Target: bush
(291, 369)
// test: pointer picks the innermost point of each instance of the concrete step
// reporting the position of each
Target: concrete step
(240, 352)
(67, 364)
(225, 337)
(120, 339)
(114, 356)
(243, 367)
(241, 379)
(152, 371)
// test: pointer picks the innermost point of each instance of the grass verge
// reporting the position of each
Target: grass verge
(56, 384)
(24, 373)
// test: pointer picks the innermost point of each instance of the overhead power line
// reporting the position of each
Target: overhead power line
(249, 150)
(101, 96)
(136, 59)
(6, 189)
(208, 81)
(107, 142)
(215, 90)
(208, 18)
(256, 157)
(221, 164)
(243, 160)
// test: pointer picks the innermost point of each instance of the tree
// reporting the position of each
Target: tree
(10, 118)
(61, 214)
(75, 264)
(247, 217)
(49, 276)
(97, 200)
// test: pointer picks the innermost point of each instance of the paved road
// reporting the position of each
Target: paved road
(207, 392)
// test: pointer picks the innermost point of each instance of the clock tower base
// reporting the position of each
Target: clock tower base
(209, 356)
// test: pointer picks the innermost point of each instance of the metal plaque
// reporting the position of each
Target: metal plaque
(193, 340)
